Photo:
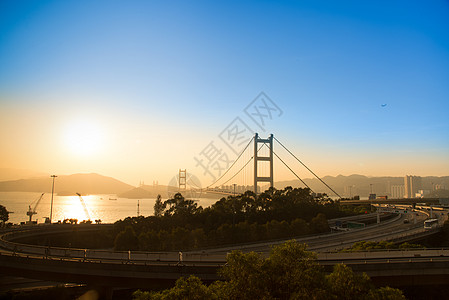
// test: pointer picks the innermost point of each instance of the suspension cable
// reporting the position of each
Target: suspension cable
(232, 164)
(238, 171)
(290, 169)
(307, 167)
(293, 172)
(243, 166)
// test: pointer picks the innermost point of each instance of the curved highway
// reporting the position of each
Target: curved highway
(391, 230)
(146, 269)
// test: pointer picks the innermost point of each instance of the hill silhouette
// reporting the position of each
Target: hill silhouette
(97, 184)
(15, 174)
(68, 185)
(145, 191)
(151, 191)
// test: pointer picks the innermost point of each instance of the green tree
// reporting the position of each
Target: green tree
(343, 283)
(371, 245)
(126, 240)
(385, 293)
(159, 207)
(198, 238)
(242, 232)
(290, 272)
(4, 214)
(153, 241)
(408, 245)
(299, 227)
(276, 229)
(180, 238)
(245, 276)
(223, 234)
(294, 271)
(241, 218)
(319, 224)
(165, 240)
(190, 288)
(178, 205)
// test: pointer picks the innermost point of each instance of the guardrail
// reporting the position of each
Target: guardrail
(386, 254)
(86, 254)
(138, 268)
(7, 242)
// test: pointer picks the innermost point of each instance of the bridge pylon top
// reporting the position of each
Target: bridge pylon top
(258, 158)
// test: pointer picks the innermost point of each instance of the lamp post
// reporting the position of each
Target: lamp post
(233, 207)
(52, 191)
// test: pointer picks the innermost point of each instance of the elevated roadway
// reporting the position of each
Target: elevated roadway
(150, 269)
(392, 230)
(394, 268)
(410, 201)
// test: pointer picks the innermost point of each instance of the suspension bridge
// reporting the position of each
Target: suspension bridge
(254, 167)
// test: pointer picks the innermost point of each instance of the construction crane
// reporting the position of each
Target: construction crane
(32, 211)
(84, 206)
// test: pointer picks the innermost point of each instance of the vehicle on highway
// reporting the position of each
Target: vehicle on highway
(431, 223)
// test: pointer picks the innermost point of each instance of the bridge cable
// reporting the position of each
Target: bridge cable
(231, 165)
(307, 167)
(194, 184)
(290, 169)
(252, 157)
(238, 172)
(243, 166)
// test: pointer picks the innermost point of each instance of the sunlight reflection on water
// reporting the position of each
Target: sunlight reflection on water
(108, 208)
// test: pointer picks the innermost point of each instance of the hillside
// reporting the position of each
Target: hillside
(151, 191)
(145, 191)
(98, 184)
(68, 185)
(15, 174)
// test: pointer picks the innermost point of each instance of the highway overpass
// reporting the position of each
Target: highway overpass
(149, 269)
(395, 269)
(410, 201)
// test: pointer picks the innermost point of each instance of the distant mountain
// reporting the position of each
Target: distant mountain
(15, 174)
(146, 191)
(68, 185)
(151, 191)
(360, 185)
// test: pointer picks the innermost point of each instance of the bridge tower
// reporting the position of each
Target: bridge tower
(258, 158)
(182, 179)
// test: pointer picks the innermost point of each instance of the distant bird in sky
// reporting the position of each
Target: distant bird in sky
(383, 105)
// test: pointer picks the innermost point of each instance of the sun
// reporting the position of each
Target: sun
(83, 137)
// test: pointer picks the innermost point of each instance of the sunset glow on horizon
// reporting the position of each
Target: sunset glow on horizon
(138, 90)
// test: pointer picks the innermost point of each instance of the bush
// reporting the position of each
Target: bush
(290, 272)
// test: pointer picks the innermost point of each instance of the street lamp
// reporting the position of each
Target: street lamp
(52, 191)
(233, 207)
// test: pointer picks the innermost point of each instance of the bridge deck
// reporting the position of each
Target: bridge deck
(425, 269)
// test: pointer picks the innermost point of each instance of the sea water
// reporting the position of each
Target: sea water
(107, 208)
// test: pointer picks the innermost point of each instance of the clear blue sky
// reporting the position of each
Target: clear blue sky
(363, 85)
